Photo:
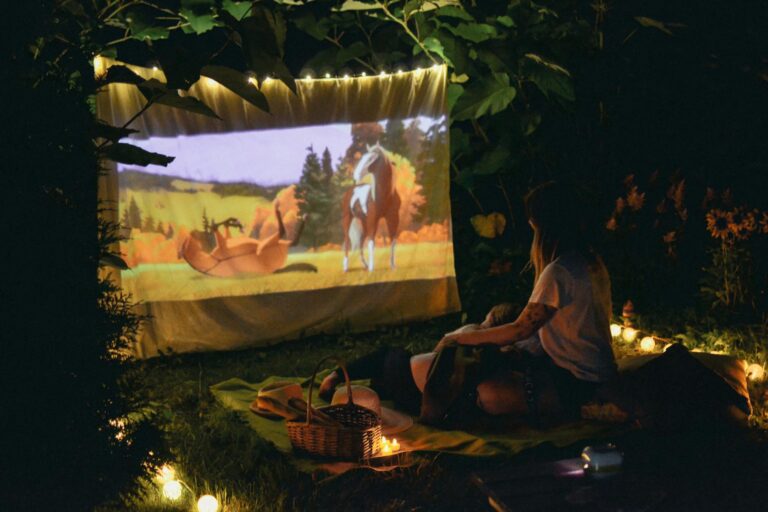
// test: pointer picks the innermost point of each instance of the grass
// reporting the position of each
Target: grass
(178, 281)
(214, 452)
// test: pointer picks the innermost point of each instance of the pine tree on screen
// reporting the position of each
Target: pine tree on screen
(315, 194)
(393, 138)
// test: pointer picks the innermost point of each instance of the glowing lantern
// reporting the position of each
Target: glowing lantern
(172, 490)
(629, 334)
(167, 473)
(207, 503)
(615, 330)
(647, 344)
(755, 372)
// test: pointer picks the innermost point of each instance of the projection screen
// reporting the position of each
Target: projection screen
(331, 212)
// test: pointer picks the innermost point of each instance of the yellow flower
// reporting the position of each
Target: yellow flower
(742, 223)
(718, 222)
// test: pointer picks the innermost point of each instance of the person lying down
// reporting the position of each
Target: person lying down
(544, 363)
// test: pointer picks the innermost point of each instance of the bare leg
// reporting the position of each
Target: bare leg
(371, 245)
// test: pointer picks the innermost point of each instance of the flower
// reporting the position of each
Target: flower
(718, 222)
(635, 199)
(742, 223)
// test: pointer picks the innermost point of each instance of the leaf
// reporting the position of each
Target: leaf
(453, 11)
(652, 23)
(198, 23)
(490, 95)
(263, 38)
(237, 9)
(120, 74)
(354, 51)
(506, 21)
(356, 5)
(493, 161)
(238, 83)
(489, 226)
(143, 27)
(181, 66)
(433, 45)
(310, 25)
(160, 94)
(455, 51)
(102, 130)
(453, 92)
(134, 155)
(475, 32)
(548, 77)
(113, 260)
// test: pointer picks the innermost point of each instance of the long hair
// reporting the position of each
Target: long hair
(559, 223)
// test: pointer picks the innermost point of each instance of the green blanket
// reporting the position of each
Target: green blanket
(503, 439)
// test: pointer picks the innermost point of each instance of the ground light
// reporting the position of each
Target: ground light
(629, 334)
(615, 330)
(647, 344)
(755, 372)
(172, 490)
(207, 503)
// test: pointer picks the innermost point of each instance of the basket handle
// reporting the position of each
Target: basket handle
(314, 376)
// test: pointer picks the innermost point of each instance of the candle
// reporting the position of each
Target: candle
(386, 449)
(395, 445)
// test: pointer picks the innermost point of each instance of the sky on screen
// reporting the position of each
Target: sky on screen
(264, 157)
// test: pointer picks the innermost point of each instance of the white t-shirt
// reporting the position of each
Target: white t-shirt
(578, 336)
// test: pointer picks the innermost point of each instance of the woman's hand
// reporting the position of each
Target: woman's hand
(449, 340)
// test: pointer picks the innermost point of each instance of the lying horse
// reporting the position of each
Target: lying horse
(232, 257)
(364, 205)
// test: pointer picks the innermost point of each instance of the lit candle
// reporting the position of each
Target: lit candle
(395, 445)
(386, 449)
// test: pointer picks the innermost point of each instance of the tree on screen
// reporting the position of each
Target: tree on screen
(393, 138)
(316, 199)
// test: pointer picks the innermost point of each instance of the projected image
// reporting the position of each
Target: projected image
(289, 209)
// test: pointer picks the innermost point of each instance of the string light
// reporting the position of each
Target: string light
(155, 68)
(629, 334)
(346, 77)
(399, 71)
(647, 344)
(363, 74)
(308, 77)
(251, 80)
(383, 73)
(172, 490)
(207, 503)
(327, 75)
(755, 372)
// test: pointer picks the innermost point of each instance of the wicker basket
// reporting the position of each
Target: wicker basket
(358, 436)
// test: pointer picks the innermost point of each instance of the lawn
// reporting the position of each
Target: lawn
(215, 452)
(178, 281)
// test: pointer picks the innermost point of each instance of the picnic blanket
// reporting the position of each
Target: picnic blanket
(504, 438)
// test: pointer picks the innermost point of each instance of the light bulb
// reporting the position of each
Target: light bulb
(154, 68)
(327, 75)
(167, 473)
(647, 344)
(308, 77)
(267, 79)
(399, 71)
(383, 73)
(346, 77)
(755, 372)
(363, 74)
(252, 81)
(629, 334)
(207, 503)
(418, 68)
(615, 330)
(172, 490)
(435, 66)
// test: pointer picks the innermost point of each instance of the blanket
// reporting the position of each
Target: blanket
(503, 438)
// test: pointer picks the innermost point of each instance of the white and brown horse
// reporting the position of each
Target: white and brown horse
(365, 204)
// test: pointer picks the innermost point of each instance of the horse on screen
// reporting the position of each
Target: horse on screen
(365, 204)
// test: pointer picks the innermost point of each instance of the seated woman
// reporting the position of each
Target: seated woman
(565, 328)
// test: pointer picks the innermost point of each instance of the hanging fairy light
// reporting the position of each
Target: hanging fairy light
(207, 503)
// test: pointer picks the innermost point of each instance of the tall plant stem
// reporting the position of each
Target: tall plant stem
(407, 29)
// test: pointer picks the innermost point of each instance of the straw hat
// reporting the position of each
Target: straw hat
(277, 392)
(392, 421)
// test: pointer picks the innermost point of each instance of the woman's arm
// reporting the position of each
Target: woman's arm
(532, 318)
